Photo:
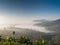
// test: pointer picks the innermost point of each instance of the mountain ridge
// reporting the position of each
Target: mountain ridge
(52, 25)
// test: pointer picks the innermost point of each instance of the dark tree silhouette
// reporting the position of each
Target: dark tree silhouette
(0, 38)
(13, 33)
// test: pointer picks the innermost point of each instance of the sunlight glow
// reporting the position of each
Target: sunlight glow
(2, 20)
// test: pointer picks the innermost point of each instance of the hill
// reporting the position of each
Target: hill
(51, 25)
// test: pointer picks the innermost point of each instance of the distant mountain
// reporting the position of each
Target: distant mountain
(43, 20)
(51, 25)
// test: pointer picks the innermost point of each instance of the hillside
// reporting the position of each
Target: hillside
(20, 31)
(52, 25)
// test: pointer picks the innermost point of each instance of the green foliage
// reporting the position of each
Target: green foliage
(7, 38)
(42, 42)
(24, 39)
(13, 38)
(37, 42)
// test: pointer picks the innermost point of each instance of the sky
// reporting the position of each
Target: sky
(24, 11)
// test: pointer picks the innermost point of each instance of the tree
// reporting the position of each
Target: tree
(13, 33)
(0, 38)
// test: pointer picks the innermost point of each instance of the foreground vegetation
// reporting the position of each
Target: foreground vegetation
(25, 40)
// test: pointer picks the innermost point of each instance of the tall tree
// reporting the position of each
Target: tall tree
(13, 33)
